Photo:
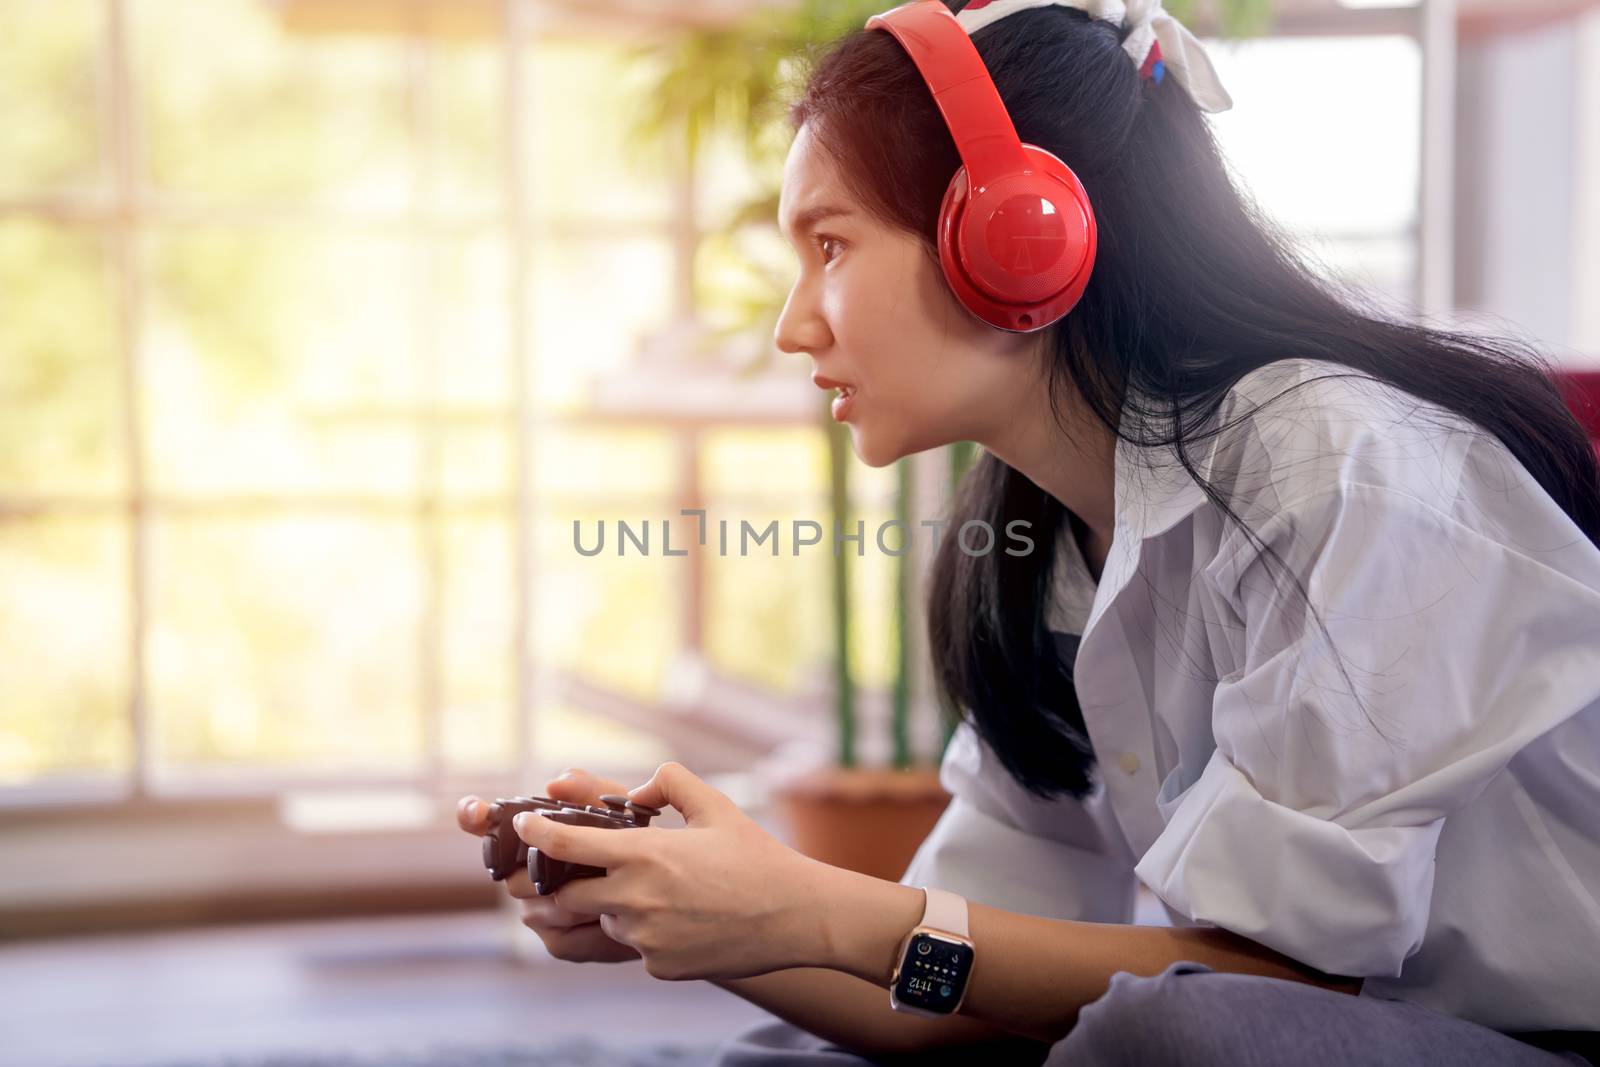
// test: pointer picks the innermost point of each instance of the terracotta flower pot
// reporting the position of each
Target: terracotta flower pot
(865, 819)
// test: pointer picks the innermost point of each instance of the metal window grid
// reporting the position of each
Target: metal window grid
(127, 208)
(124, 207)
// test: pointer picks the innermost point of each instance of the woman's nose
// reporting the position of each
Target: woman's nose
(800, 327)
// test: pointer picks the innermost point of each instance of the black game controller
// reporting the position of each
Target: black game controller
(505, 852)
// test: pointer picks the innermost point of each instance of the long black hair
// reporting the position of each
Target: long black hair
(1192, 289)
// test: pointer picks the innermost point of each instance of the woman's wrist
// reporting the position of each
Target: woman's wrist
(862, 921)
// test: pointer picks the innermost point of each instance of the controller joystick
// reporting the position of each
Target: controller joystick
(549, 874)
(642, 813)
(505, 852)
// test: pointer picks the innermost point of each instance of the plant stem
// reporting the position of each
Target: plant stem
(844, 697)
(900, 724)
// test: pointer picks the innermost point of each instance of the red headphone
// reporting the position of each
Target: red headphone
(1016, 232)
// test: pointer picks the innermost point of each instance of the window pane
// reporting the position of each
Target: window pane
(569, 736)
(49, 121)
(1380, 268)
(585, 97)
(475, 462)
(477, 613)
(60, 416)
(636, 468)
(872, 621)
(791, 461)
(281, 362)
(281, 642)
(611, 625)
(469, 121)
(63, 648)
(1330, 166)
(474, 347)
(611, 620)
(769, 619)
(234, 108)
(471, 381)
(592, 304)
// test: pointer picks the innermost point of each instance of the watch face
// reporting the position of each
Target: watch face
(933, 973)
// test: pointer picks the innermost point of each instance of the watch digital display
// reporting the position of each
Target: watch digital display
(933, 973)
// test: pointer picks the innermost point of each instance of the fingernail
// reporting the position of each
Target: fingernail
(518, 820)
(473, 807)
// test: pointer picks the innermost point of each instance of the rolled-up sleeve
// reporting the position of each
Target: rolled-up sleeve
(996, 844)
(1340, 753)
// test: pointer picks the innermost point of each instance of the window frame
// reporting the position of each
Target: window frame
(125, 208)
(122, 210)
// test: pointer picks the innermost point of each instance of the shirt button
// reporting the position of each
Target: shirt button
(1130, 762)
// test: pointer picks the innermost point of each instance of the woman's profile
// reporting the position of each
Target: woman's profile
(1308, 642)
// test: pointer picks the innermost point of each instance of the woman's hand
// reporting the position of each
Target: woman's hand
(719, 898)
(567, 934)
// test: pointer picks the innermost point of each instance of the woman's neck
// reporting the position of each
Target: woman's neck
(1079, 471)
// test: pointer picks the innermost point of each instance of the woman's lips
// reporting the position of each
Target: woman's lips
(841, 403)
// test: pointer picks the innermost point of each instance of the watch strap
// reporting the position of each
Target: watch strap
(945, 911)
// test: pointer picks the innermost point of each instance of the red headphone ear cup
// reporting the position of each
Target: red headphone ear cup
(1019, 253)
(952, 211)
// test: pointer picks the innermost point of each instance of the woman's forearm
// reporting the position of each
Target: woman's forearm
(1031, 975)
(855, 1014)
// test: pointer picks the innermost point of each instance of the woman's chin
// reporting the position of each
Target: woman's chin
(875, 450)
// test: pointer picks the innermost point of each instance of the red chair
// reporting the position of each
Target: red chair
(1582, 390)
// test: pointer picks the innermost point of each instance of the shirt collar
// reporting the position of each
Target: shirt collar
(1153, 490)
(1153, 494)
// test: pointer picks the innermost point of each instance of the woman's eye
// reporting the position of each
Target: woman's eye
(829, 246)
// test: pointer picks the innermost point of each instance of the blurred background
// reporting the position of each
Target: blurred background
(322, 322)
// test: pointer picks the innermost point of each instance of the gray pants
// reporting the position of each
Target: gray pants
(1192, 1015)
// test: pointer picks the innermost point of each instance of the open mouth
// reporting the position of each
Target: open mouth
(843, 398)
(842, 388)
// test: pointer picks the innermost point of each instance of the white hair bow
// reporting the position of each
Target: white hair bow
(1147, 22)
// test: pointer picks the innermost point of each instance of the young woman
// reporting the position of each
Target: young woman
(1308, 643)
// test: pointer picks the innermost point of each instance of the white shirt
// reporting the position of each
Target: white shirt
(1442, 837)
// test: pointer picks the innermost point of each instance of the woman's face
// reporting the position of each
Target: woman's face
(872, 310)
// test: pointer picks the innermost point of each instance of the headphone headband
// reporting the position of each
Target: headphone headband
(961, 86)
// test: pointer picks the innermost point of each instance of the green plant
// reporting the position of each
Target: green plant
(735, 82)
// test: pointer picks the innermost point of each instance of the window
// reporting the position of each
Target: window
(260, 311)
(1332, 157)
(259, 441)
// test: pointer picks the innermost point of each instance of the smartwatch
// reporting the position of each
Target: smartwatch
(935, 958)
